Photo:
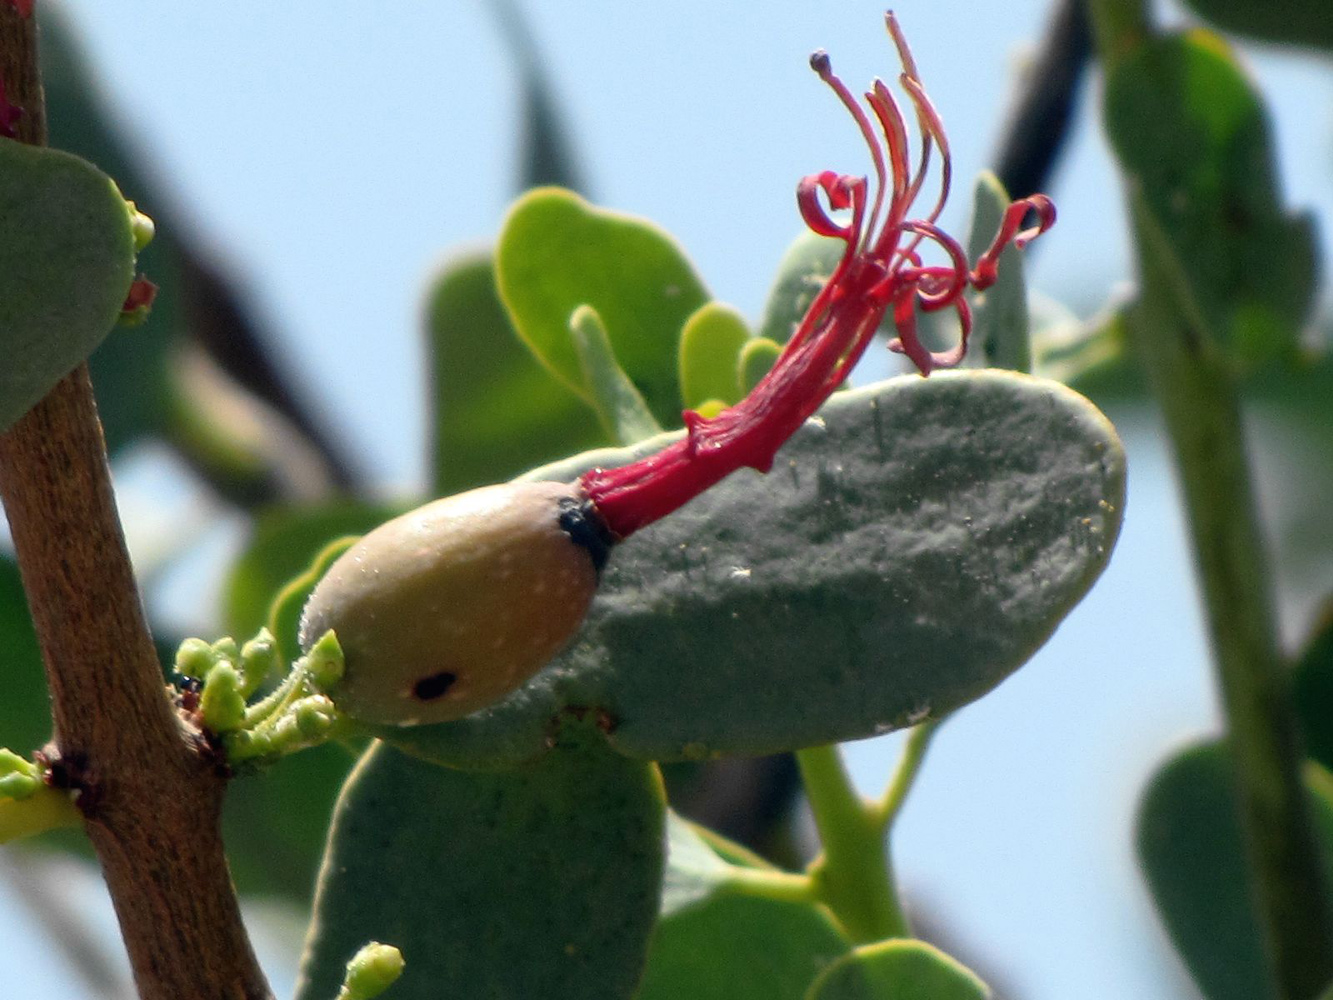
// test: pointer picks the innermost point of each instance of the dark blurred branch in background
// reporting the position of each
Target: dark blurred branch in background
(227, 331)
(1041, 118)
(547, 155)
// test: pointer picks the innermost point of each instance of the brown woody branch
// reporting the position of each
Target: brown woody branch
(150, 799)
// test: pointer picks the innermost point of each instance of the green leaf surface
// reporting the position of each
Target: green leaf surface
(1194, 139)
(538, 882)
(898, 970)
(622, 412)
(1292, 22)
(283, 542)
(710, 350)
(66, 262)
(757, 358)
(558, 252)
(275, 822)
(1000, 314)
(713, 941)
(804, 268)
(911, 548)
(496, 410)
(1190, 845)
(25, 709)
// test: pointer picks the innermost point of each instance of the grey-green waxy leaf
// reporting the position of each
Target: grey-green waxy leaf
(912, 547)
(714, 941)
(619, 406)
(66, 262)
(804, 268)
(1000, 313)
(537, 882)
(1192, 851)
(898, 970)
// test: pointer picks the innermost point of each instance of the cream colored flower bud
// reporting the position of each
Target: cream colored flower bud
(449, 608)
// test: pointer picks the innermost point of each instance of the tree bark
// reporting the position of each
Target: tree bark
(150, 796)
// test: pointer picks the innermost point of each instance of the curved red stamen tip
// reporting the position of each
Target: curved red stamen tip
(842, 192)
(987, 267)
(820, 62)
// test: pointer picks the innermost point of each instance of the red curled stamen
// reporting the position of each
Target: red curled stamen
(881, 271)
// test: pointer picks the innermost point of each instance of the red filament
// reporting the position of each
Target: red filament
(881, 272)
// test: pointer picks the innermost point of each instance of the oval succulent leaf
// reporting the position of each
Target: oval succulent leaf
(419, 854)
(558, 252)
(66, 262)
(714, 941)
(710, 348)
(1194, 139)
(1192, 851)
(496, 409)
(903, 970)
(911, 548)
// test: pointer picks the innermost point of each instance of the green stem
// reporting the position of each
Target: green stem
(1195, 389)
(909, 766)
(852, 875)
(1194, 384)
(786, 887)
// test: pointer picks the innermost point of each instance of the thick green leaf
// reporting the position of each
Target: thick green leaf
(804, 268)
(25, 710)
(275, 823)
(1000, 314)
(619, 406)
(557, 252)
(710, 350)
(1313, 691)
(66, 262)
(1192, 851)
(911, 548)
(898, 970)
(497, 410)
(538, 882)
(1294, 22)
(1194, 138)
(756, 360)
(283, 542)
(714, 941)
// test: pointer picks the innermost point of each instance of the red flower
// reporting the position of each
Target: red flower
(881, 269)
